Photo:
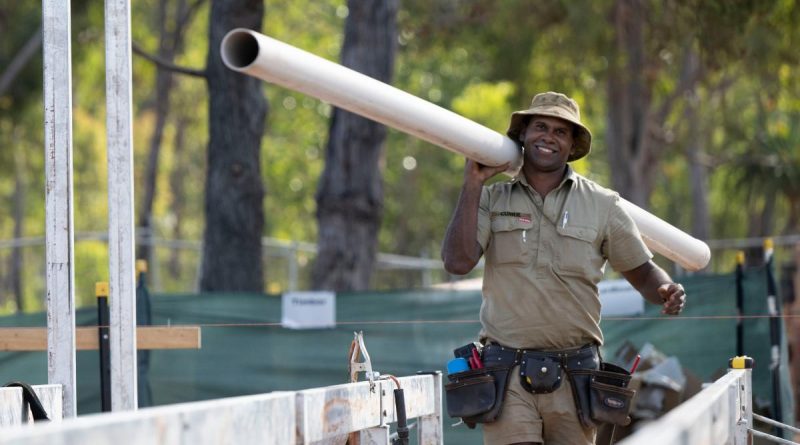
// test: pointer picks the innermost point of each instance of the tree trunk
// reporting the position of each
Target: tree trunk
(234, 191)
(627, 137)
(19, 229)
(793, 220)
(635, 134)
(170, 44)
(698, 174)
(350, 193)
(178, 193)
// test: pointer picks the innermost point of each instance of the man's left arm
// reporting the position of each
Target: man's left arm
(657, 287)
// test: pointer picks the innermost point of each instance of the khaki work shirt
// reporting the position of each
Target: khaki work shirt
(544, 258)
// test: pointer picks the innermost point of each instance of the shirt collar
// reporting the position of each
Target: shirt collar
(569, 178)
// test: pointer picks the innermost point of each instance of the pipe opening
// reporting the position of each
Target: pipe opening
(239, 49)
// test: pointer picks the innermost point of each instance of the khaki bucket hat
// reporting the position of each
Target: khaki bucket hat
(554, 105)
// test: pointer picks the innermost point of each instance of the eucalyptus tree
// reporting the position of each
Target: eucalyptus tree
(172, 20)
(350, 193)
(234, 191)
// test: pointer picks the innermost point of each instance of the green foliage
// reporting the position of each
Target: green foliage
(487, 104)
(482, 59)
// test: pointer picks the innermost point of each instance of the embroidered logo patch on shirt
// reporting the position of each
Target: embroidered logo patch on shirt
(521, 217)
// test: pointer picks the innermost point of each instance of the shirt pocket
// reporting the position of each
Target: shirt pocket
(577, 253)
(511, 242)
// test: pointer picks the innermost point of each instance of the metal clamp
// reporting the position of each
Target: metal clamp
(357, 348)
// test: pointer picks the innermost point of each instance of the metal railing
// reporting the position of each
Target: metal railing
(720, 414)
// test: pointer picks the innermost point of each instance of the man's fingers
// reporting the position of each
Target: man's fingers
(674, 305)
(674, 298)
(499, 168)
(483, 172)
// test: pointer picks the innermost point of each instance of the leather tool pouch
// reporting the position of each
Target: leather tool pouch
(611, 400)
(602, 395)
(539, 374)
(477, 395)
(469, 394)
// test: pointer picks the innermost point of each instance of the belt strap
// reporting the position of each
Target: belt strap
(563, 356)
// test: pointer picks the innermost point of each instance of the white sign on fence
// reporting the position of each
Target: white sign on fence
(618, 297)
(309, 310)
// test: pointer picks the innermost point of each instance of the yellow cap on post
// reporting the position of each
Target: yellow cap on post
(740, 257)
(141, 266)
(741, 362)
(768, 244)
(101, 289)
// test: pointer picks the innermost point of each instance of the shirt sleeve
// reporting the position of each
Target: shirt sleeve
(484, 220)
(623, 246)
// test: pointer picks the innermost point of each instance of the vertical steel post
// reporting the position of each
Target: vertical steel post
(774, 308)
(104, 345)
(742, 401)
(739, 303)
(59, 227)
(120, 205)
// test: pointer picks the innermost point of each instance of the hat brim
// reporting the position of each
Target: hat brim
(583, 137)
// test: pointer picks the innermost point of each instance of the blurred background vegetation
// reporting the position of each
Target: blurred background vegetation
(694, 106)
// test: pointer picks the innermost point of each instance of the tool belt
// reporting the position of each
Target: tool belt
(599, 389)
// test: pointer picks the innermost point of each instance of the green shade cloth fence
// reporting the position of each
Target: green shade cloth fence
(245, 351)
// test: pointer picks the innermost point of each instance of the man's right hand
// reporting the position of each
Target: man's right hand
(477, 173)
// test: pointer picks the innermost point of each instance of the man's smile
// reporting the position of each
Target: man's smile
(544, 149)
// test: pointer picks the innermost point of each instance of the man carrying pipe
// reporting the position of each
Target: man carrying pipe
(255, 54)
(547, 235)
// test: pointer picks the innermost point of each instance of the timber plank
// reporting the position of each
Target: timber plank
(147, 337)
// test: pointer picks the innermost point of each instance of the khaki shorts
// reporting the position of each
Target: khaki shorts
(550, 419)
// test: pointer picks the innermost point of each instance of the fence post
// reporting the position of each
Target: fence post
(104, 344)
(742, 400)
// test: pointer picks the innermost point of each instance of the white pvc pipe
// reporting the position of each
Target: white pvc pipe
(268, 59)
(660, 236)
(255, 54)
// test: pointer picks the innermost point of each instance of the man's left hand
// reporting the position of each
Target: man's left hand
(674, 298)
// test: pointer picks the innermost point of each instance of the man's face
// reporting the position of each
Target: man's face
(548, 143)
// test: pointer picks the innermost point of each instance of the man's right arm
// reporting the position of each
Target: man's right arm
(461, 250)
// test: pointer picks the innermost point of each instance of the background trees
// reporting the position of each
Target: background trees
(350, 192)
(693, 106)
(234, 192)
